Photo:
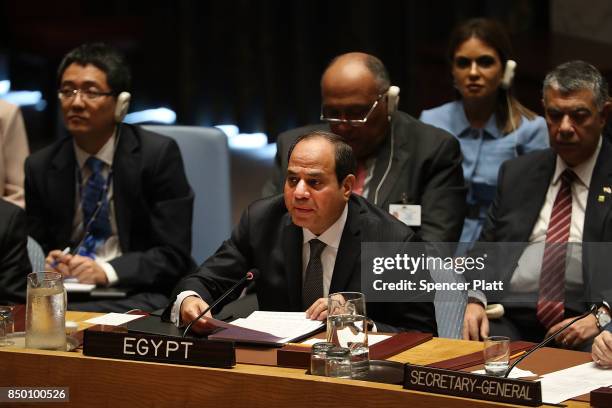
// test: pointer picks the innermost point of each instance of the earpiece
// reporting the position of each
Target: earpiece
(392, 100)
(508, 74)
(123, 103)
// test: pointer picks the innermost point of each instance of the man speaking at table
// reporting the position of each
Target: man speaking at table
(305, 244)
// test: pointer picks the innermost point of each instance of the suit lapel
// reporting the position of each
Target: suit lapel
(61, 187)
(597, 211)
(126, 182)
(292, 249)
(400, 155)
(349, 251)
(532, 201)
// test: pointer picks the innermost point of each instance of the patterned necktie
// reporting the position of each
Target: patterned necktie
(360, 178)
(551, 298)
(313, 282)
(94, 202)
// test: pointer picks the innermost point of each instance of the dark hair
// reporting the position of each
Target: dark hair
(345, 159)
(103, 57)
(495, 36)
(376, 68)
(575, 76)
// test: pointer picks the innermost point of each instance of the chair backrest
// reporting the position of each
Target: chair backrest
(206, 156)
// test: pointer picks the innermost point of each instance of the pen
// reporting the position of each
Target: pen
(65, 252)
(517, 355)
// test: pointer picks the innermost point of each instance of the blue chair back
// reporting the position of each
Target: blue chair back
(206, 156)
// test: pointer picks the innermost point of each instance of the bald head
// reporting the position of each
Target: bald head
(354, 86)
(356, 64)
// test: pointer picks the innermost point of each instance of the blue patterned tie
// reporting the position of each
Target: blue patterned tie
(94, 199)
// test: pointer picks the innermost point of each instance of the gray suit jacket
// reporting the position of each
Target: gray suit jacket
(425, 169)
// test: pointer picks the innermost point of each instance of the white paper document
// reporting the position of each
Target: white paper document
(564, 384)
(113, 319)
(286, 325)
(73, 285)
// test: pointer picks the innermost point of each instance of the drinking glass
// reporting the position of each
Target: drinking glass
(46, 311)
(6, 325)
(496, 355)
(347, 327)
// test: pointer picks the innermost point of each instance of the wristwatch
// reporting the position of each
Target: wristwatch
(603, 318)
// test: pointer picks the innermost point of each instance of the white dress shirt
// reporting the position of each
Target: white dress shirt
(110, 249)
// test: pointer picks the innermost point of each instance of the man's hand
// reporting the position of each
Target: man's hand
(475, 322)
(318, 310)
(191, 308)
(87, 270)
(577, 333)
(602, 349)
(56, 261)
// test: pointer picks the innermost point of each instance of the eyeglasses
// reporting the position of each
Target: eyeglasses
(355, 118)
(66, 94)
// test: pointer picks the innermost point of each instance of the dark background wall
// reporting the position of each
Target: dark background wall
(252, 63)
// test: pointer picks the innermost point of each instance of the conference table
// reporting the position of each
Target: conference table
(101, 382)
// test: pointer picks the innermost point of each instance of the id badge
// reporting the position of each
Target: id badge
(407, 213)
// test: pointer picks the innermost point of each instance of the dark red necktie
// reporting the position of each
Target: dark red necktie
(551, 298)
(360, 178)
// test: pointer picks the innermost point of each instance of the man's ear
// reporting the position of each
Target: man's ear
(347, 185)
(605, 111)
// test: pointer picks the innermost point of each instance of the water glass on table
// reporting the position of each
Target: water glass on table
(6, 325)
(347, 326)
(496, 355)
(46, 311)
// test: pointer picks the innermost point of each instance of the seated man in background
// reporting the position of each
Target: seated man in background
(306, 244)
(115, 194)
(400, 160)
(13, 152)
(14, 262)
(554, 197)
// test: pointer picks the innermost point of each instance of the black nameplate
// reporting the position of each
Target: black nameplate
(160, 349)
(478, 386)
(601, 397)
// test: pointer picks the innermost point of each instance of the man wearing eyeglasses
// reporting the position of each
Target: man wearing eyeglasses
(110, 202)
(406, 167)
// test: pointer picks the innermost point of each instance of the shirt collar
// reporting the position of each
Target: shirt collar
(105, 154)
(460, 126)
(583, 171)
(331, 237)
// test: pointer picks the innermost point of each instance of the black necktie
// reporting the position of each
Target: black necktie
(313, 282)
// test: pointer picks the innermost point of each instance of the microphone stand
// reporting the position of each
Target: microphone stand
(248, 276)
(549, 338)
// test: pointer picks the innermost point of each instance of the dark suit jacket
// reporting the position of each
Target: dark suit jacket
(521, 191)
(425, 168)
(14, 261)
(152, 199)
(267, 239)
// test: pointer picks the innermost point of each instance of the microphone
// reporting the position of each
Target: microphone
(547, 340)
(250, 275)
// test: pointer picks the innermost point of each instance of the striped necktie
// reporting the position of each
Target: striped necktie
(551, 298)
(94, 202)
